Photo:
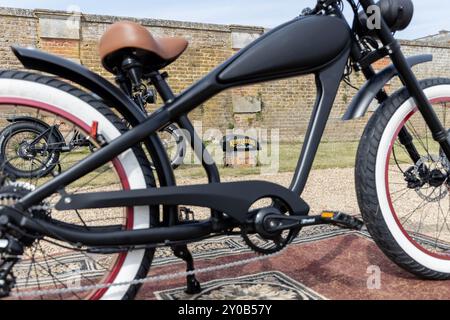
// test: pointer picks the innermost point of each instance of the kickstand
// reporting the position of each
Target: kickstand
(182, 252)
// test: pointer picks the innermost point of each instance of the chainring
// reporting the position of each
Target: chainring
(268, 245)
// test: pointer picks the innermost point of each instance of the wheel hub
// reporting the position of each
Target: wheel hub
(437, 178)
(25, 151)
(433, 171)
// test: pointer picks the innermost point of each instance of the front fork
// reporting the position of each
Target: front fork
(440, 134)
(405, 138)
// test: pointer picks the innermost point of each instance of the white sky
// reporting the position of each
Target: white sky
(431, 16)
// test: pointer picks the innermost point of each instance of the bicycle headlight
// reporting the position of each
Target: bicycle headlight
(397, 14)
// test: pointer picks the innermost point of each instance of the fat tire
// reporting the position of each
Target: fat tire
(106, 111)
(366, 184)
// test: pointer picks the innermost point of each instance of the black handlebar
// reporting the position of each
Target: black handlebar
(324, 4)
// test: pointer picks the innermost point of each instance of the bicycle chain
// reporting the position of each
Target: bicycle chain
(149, 279)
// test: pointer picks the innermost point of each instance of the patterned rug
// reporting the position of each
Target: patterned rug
(323, 263)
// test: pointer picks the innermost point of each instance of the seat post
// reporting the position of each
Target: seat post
(134, 70)
(159, 82)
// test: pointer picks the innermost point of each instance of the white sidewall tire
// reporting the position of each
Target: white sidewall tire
(426, 260)
(63, 101)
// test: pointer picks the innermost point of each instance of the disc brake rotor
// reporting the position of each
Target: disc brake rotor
(434, 163)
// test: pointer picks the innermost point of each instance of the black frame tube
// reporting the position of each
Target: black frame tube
(196, 142)
(327, 83)
(154, 123)
(184, 123)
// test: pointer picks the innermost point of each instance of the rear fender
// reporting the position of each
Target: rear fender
(55, 129)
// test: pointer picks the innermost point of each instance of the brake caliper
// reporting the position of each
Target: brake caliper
(413, 180)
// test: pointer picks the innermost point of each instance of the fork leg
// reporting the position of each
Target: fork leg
(193, 285)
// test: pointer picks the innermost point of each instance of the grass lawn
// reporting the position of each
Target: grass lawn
(330, 155)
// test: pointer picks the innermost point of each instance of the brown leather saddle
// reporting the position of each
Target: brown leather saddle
(127, 38)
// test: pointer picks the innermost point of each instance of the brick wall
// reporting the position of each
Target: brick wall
(285, 105)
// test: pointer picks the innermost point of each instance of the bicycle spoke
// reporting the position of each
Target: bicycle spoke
(49, 269)
(420, 206)
(417, 194)
(55, 279)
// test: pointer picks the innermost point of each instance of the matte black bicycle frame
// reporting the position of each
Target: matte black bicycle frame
(231, 199)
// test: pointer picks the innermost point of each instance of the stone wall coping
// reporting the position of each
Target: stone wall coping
(94, 18)
(48, 13)
(429, 44)
(26, 13)
(247, 29)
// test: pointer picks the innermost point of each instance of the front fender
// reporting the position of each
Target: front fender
(361, 102)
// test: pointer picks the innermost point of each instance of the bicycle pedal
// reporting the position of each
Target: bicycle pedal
(342, 220)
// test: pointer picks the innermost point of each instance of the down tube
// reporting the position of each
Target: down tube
(327, 82)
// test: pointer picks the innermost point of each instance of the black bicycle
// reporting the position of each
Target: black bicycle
(31, 149)
(101, 238)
